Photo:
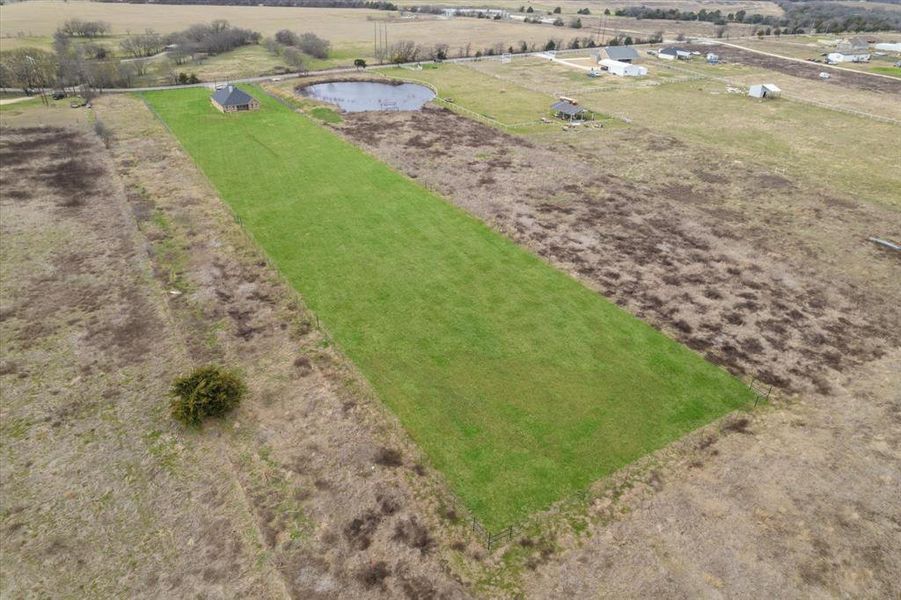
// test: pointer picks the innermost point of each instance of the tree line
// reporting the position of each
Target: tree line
(90, 65)
(370, 4)
(295, 49)
(799, 17)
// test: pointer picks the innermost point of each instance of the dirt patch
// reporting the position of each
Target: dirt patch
(87, 356)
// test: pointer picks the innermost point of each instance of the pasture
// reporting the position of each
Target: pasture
(520, 384)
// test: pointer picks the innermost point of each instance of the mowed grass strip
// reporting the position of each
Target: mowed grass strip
(519, 383)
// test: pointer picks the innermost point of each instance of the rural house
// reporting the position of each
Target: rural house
(569, 110)
(764, 90)
(625, 54)
(673, 54)
(231, 99)
(623, 69)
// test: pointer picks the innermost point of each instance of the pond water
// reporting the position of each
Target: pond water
(359, 96)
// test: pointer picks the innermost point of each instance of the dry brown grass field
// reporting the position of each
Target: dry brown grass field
(31, 23)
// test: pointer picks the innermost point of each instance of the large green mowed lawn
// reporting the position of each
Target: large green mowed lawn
(519, 383)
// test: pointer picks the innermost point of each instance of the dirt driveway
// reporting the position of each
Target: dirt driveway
(811, 70)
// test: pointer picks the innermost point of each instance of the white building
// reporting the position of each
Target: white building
(615, 67)
(852, 57)
(888, 47)
(764, 90)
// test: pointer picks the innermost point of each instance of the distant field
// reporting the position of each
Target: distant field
(788, 135)
(509, 104)
(340, 26)
(248, 61)
(32, 23)
(519, 383)
(785, 134)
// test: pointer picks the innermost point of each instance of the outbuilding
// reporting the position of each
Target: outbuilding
(673, 54)
(232, 99)
(847, 56)
(569, 110)
(623, 69)
(764, 90)
(626, 54)
(888, 47)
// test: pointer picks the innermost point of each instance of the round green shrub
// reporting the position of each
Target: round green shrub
(208, 391)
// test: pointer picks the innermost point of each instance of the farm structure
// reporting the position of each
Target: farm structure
(570, 111)
(888, 47)
(764, 90)
(625, 54)
(232, 99)
(854, 56)
(673, 54)
(623, 69)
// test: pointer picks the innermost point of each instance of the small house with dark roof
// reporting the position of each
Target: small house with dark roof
(569, 110)
(625, 54)
(673, 54)
(232, 99)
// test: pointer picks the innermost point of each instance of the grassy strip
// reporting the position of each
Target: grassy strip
(520, 384)
(893, 71)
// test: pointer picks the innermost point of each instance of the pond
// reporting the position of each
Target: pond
(359, 96)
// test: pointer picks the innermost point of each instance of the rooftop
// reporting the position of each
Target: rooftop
(231, 96)
(568, 108)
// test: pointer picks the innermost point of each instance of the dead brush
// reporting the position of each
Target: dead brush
(374, 574)
(413, 534)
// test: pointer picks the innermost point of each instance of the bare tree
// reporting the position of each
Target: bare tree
(29, 69)
(143, 44)
(404, 51)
